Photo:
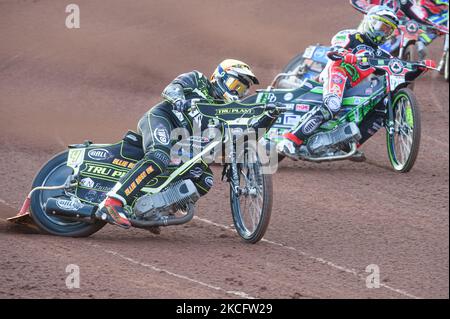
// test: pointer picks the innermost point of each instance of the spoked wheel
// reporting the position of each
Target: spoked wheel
(403, 146)
(446, 71)
(293, 66)
(251, 201)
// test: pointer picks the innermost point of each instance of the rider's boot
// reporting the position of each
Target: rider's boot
(290, 146)
(111, 210)
(127, 190)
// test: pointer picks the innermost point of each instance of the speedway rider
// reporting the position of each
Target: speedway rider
(378, 26)
(427, 12)
(229, 82)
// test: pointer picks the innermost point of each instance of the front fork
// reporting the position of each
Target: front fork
(230, 170)
(390, 123)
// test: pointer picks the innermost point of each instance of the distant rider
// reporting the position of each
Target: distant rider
(427, 12)
(377, 27)
(229, 82)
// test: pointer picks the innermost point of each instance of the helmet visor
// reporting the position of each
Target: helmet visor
(383, 29)
(236, 87)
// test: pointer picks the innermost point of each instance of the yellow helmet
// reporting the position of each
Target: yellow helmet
(232, 79)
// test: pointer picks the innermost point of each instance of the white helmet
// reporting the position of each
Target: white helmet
(379, 24)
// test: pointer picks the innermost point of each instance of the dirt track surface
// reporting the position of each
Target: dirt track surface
(329, 222)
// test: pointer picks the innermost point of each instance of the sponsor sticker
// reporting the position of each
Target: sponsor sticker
(196, 172)
(302, 108)
(396, 66)
(309, 52)
(337, 79)
(66, 204)
(76, 157)
(99, 154)
(87, 182)
(412, 27)
(311, 125)
(336, 90)
(289, 106)
(319, 53)
(103, 171)
(162, 135)
(209, 181)
(288, 96)
(123, 163)
(91, 195)
(291, 119)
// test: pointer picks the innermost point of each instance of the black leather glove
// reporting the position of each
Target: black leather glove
(181, 105)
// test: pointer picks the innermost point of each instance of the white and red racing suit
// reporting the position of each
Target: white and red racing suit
(336, 77)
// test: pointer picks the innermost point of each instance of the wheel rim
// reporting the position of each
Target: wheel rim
(403, 132)
(249, 204)
(57, 176)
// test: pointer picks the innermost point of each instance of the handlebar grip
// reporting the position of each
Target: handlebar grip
(274, 106)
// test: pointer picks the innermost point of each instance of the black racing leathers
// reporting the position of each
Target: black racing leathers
(156, 127)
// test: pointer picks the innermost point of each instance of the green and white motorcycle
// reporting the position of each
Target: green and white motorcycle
(386, 92)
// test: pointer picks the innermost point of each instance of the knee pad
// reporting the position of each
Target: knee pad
(160, 157)
(204, 184)
(333, 104)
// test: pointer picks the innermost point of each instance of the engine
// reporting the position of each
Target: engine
(324, 142)
(175, 197)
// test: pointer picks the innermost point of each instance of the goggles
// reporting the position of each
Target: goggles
(383, 28)
(236, 87)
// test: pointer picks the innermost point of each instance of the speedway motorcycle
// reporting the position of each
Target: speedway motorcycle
(68, 188)
(406, 43)
(386, 91)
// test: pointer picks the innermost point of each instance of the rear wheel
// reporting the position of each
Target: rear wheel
(293, 66)
(54, 173)
(251, 201)
(294, 63)
(403, 145)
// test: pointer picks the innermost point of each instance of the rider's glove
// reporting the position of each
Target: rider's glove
(350, 58)
(181, 105)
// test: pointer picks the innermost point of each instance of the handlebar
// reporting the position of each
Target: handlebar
(336, 56)
(277, 106)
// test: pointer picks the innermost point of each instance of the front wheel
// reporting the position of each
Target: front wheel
(403, 145)
(251, 200)
(446, 72)
(54, 173)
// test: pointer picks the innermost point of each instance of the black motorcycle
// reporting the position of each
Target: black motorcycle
(67, 190)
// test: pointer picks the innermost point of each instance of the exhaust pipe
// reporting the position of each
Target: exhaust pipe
(166, 220)
(70, 209)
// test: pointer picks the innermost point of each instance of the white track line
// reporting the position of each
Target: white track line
(318, 259)
(239, 293)
(443, 144)
(167, 272)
